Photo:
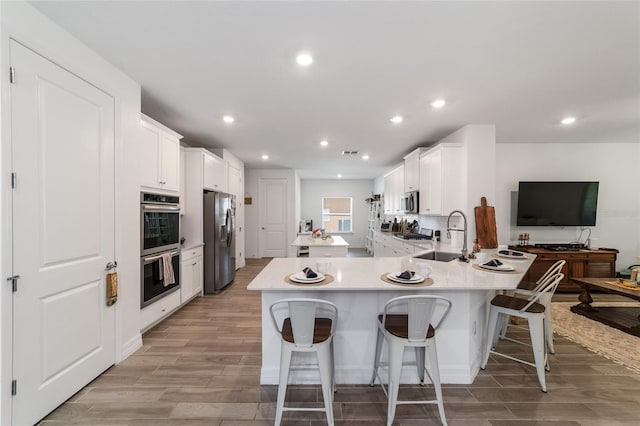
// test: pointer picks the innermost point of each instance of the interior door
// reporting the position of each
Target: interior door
(273, 217)
(63, 233)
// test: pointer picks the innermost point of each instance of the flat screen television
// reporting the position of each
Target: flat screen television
(557, 203)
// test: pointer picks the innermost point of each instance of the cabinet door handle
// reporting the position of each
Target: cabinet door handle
(194, 264)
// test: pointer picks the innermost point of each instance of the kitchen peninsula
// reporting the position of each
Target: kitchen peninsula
(357, 286)
(334, 246)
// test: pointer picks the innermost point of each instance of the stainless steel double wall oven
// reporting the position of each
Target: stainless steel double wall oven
(159, 234)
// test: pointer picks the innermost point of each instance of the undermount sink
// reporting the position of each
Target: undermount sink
(440, 256)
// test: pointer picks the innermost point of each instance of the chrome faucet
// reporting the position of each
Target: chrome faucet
(464, 243)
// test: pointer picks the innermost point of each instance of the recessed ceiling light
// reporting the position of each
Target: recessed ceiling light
(324, 143)
(265, 157)
(397, 119)
(304, 59)
(228, 119)
(365, 157)
(339, 175)
(568, 120)
(438, 103)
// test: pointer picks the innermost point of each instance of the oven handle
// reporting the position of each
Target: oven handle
(160, 208)
(150, 259)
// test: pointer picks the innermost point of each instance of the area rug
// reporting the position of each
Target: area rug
(609, 342)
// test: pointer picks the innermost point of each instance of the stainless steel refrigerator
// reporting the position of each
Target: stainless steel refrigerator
(219, 241)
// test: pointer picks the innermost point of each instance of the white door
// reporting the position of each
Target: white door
(273, 217)
(63, 233)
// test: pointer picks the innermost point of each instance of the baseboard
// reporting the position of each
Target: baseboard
(130, 347)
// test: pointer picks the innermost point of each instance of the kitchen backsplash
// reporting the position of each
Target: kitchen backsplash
(432, 222)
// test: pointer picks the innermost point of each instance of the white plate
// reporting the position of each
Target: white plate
(301, 277)
(503, 268)
(510, 256)
(414, 280)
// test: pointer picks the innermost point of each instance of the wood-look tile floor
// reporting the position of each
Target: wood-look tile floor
(201, 366)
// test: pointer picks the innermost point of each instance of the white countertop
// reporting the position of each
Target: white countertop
(307, 240)
(364, 274)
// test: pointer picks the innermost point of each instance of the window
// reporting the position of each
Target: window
(337, 214)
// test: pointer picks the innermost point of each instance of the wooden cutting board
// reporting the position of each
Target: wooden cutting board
(486, 225)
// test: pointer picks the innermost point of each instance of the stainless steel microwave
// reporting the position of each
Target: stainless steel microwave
(409, 202)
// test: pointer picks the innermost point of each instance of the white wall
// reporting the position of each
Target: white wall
(24, 24)
(614, 165)
(298, 195)
(313, 190)
(378, 185)
(479, 149)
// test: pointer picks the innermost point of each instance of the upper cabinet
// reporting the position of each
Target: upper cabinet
(215, 173)
(393, 190)
(203, 171)
(159, 156)
(442, 180)
(412, 171)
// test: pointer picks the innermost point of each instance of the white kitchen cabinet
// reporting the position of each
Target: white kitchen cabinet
(442, 180)
(398, 185)
(388, 197)
(159, 310)
(385, 245)
(182, 181)
(159, 156)
(215, 173)
(412, 171)
(191, 273)
(393, 190)
(196, 162)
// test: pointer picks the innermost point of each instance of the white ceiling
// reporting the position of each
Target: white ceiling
(519, 65)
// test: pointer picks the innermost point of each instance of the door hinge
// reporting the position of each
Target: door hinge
(14, 387)
(14, 282)
(13, 180)
(12, 75)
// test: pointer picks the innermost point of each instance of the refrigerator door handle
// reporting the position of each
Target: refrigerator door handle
(229, 225)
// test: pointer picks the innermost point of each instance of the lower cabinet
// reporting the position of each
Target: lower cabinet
(580, 264)
(159, 310)
(192, 273)
(387, 246)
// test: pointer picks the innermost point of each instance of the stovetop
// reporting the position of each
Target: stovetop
(412, 236)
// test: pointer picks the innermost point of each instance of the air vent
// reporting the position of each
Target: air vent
(349, 152)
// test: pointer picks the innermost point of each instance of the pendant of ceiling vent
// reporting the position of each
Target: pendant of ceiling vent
(349, 152)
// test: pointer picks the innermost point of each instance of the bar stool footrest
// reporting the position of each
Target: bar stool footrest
(522, 361)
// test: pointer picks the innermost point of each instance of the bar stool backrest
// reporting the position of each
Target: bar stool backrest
(421, 312)
(303, 313)
(553, 269)
(545, 291)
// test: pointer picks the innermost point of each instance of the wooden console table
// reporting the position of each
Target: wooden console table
(581, 263)
(626, 319)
